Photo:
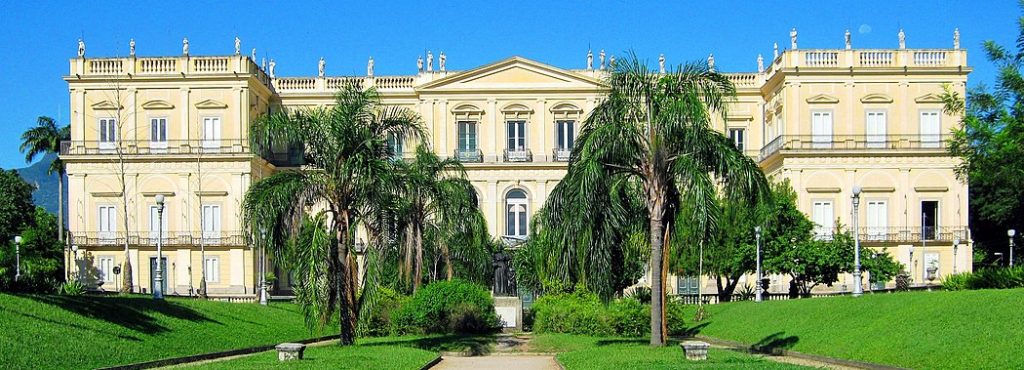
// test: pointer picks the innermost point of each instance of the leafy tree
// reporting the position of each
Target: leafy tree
(881, 266)
(16, 208)
(350, 175)
(439, 200)
(990, 142)
(45, 138)
(653, 134)
(42, 265)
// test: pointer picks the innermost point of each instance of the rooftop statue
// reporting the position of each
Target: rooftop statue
(441, 60)
(601, 57)
(903, 39)
(956, 38)
(131, 47)
(184, 46)
(611, 62)
(760, 63)
(661, 63)
(711, 62)
(254, 55)
(272, 66)
(369, 67)
(81, 48)
(419, 63)
(430, 61)
(590, 59)
(321, 66)
(775, 53)
(849, 45)
(792, 38)
(238, 46)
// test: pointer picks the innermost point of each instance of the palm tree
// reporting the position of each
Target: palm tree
(440, 198)
(349, 175)
(654, 132)
(45, 138)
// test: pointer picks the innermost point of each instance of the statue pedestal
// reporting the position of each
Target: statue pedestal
(510, 312)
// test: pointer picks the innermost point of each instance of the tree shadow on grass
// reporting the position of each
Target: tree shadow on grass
(475, 345)
(609, 342)
(137, 314)
(692, 331)
(775, 344)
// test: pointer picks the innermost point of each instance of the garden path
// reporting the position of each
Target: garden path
(502, 362)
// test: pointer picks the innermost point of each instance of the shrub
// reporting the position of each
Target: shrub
(989, 278)
(380, 321)
(585, 314)
(72, 288)
(902, 282)
(642, 294)
(449, 307)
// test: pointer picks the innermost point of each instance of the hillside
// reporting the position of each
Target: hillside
(46, 185)
(60, 332)
(965, 329)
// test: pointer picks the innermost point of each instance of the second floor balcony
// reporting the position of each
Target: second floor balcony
(840, 143)
(150, 238)
(469, 155)
(904, 234)
(561, 155)
(147, 147)
(518, 155)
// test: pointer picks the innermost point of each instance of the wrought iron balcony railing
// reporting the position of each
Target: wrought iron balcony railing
(147, 238)
(561, 155)
(855, 142)
(904, 234)
(473, 156)
(519, 155)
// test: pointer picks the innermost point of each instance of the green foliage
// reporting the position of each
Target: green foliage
(16, 207)
(72, 288)
(990, 142)
(600, 353)
(978, 329)
(641, 294)
(987, 278)
(42, 255)
(38, 329)
(379, 353)
(380, 321)
(584, 313)
(450, 307)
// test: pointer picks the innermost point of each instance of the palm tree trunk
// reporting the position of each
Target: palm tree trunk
(657, 284)
(410, 239)
(418, 274)
(667, 245)
(60, 222)
(449, 272)
(346, 286)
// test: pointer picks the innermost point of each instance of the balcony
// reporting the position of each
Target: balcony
(868, 58)
(330, 85)
(146, 147)
(148, 238)
(913, 234)
(561, 155)
(178, 66)
(469, 156)
(854, 143)
(520, 155)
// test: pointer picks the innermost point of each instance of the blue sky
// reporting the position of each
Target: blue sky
(38, 39)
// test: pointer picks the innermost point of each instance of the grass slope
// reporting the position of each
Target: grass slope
(579, 352)
(966, 329)
(89, 332)
(335, 357)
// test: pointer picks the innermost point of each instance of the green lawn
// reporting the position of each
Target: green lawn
(334, 357)
(92, 331)
(965, 329)
(579, 352)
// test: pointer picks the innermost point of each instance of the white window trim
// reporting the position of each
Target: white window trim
(876, 140)
(525, 202)
(929, 140)
(824, 230)
(882, 230)
(111, 142)
(211, 236)
(743, 140)
(106, 236)
(155, 145)
(938, 216)
(525, 134)
(211, 145)
(823, 141)
(106, 276)
(212, 274)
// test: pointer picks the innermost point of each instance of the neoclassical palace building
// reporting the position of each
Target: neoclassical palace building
(178, 126)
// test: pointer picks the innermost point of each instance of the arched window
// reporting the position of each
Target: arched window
(516, 209)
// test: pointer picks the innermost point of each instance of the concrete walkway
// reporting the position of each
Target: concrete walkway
(498, 363)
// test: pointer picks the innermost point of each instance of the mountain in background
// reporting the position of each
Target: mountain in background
(46, 185)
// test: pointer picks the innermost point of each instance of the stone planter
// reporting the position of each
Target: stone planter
(290, 351)
(695, 350)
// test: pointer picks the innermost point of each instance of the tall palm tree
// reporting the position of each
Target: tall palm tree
(655, 132)
(44, 139)
(349, 175)
(439, 198)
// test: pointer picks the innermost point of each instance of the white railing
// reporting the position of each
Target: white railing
(930, 58)
(106, 66)
(295, 83)
(337, 83)
(158, 65)
(210, 64)
(871, 58)
(394, 82)
(744, 79)
(821, 58)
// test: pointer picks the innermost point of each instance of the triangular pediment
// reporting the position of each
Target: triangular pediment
(876, 98)
(513, 74)
(105, 105)
(928, 98)
(157, 104)
(822, 99)
(211, 104)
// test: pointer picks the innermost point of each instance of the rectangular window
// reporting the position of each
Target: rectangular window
(107, 223)
(566, 134)
(158, 133)
(211, 222)
(213, 269)
(396, 145)
(738, 137)
(105, 265)
(687, 285)
(154, 221)
(877, 220)
(875, 129)
(516, 136)
(929, 219)
(211, 133)
(467, 136)
(108, 133)
(823, 217)
(821, 129)
(930, 134)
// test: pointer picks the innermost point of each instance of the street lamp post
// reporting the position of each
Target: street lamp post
(757, 236)
(17, 257)
(857, 289)
(263, 267)
(956, 244)
(158, 289)
(1011, 233)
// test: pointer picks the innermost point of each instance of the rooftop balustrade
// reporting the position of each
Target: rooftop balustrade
(854, 142)
(166, 66)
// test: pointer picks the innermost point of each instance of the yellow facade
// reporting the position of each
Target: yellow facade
(824, 119)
